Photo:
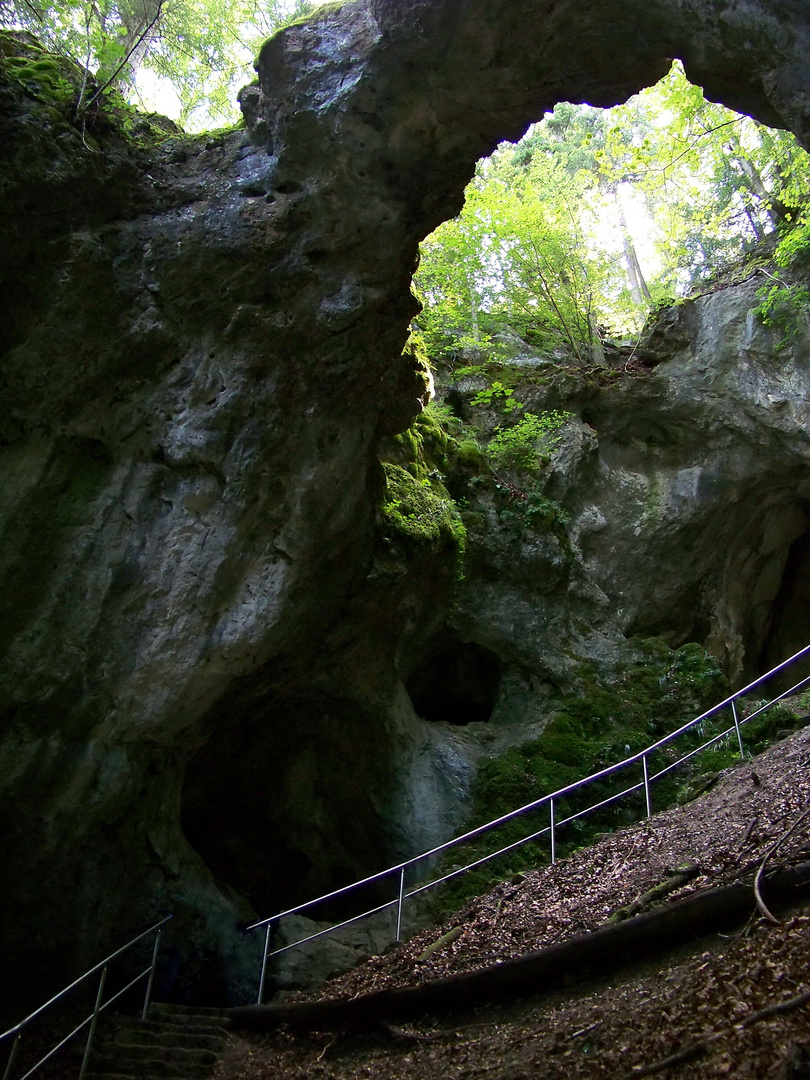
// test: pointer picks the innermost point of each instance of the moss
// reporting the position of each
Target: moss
(760, 732)
(419, 516)
(599, 724)
(426, 469)
(51, 79)
(56, 84)
(319, 15)
(470, 455)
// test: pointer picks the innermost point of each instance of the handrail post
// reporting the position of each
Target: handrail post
(737, 726)
(12, 1054)
(264, 963)
(92, 1031)
(534, 806)
(399, 903)
(148, 995)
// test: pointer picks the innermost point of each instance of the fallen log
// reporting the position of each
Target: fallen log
(557, 966)
(675, 881)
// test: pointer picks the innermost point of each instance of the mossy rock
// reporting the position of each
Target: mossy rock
(601, 723)
(698, 786)
(420, 516)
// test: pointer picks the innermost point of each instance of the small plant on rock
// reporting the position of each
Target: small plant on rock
(519, 447)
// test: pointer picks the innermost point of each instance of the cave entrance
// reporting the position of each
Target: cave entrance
(790, 620)
(267, 799)
(456, 681)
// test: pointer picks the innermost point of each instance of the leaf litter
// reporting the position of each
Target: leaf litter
(618, 1026)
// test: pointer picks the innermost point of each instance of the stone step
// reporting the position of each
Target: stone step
(186, 1010)
(159, 1027)
(178, 1043)
(148, 1051)
(158, 1035)
(188, 1015)
(142, 1061)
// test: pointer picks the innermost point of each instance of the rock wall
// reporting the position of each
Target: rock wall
(202, 342)
(686, 487)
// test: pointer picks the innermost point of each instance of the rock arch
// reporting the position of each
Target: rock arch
(204, 338)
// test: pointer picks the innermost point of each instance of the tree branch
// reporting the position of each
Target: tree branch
(81, 110)
(763, 910)
(699, 1048)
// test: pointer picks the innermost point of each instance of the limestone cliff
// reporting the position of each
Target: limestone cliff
(202, 343)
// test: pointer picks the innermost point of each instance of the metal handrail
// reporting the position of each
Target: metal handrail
(100, 1004)
(641, 756)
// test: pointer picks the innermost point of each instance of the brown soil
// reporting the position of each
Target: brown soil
(618, 1026)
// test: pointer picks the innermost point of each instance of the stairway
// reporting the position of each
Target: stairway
(177, 1042)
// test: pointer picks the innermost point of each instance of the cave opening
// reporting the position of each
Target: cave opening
(480, 294)
(456, 682)
(267, 799)
(789, 629)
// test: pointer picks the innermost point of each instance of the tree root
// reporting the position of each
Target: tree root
(557, 966)
(761, 906)
(702, 1046)
(676, 880)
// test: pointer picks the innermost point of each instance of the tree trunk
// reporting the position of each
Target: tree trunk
(141, 19)
(775, 208)
(476, 330)
(635, 277)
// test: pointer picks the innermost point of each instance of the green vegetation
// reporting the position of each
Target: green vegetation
(785, 305)
(595, 217)
(199, 51)
(497, 392)
(533, 511)
(51, 79)
(518, 447)
(69, 102)
(419, 517)
(599, 725)
(438, 471)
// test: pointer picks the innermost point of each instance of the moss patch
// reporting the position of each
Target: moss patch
(62, 94)
(419, 516)
(426, 468)
(601, 724)
(51, 79)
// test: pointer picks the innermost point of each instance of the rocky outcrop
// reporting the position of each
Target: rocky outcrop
(202, 341)
(686, 489)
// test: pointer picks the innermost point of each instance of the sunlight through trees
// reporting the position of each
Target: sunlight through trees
(598, 215)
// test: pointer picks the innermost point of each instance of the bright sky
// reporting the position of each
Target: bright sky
(158, 95)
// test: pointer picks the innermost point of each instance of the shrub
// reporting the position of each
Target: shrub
(519, 447)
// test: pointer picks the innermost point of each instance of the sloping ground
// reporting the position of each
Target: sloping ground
(614, 1028)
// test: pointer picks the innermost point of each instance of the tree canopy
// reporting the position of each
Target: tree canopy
(199, 51)
(596, 215)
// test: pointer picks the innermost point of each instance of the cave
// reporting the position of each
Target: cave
(235, 357)
(265, 801)
(456, 682)
(789, 629)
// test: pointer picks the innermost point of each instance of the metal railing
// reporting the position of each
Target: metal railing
(15, 1034)
(399, 870)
